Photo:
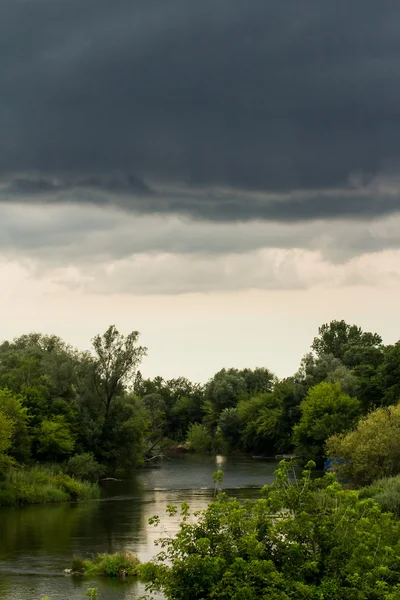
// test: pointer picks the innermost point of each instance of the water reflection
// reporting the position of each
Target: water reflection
(220, 461)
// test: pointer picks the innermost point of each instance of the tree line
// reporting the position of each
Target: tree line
(94, 412)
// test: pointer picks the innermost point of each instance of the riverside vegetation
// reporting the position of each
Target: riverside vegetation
(305, 538)
(68, 418)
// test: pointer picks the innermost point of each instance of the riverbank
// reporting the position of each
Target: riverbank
(42, 484)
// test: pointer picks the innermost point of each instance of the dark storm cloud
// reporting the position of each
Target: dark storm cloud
(282, 98)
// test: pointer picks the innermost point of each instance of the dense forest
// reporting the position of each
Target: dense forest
(94, 414)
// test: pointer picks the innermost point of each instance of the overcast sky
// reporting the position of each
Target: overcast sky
(223, 176)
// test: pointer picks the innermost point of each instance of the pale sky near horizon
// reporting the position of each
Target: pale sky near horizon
(195, 335)
(223, 177)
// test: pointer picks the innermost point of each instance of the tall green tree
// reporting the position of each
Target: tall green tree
(117, 360)
(340, 339)
(122, 441)
(324, 412)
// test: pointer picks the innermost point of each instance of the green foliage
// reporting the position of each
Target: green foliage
(218, 478)
(248, 412)
(341, 340)
(371, 450)
(389, 374)
(324, 411)
(228, 386)
(6, 432)
(120, 564)
(11, 405)
(225, 389)
(117, 359)
(229, 427)
(54, 438)
(122, 438)
(305, 539)
(386, 492)
(84, 466)
(198, 438)
(91, 594)
(38, 485)
(94, 412)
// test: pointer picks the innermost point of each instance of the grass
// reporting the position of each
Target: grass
(91, 594)
(43, 484)
(120, 564)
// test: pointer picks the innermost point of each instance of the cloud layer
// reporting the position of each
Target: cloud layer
(103, 250)
(223, 111)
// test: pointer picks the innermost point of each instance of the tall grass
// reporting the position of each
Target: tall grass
(42, 484)
(120, 564)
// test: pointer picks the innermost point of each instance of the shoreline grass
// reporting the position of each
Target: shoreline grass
(43, 484)
(119, 564)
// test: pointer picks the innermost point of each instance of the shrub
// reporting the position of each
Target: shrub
(109, 565)
(371, 450)
(85, 466)
(198, 438)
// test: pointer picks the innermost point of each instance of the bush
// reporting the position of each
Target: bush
(372, 450)
(85, 466)
(198, 438)
(119, 564)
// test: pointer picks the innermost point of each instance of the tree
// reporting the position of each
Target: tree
(349, 383)
(324, 412)
(54, 438)
(6, 433)
(267, 419)
(371, 450)
(229, 427)
(117, 359)
(123, 435)
(154, 413)
(228, 386)
(186, 410)
(225, 389)
(258, 380)
(248, 412)
(11, 405)
(339, 338)
(326, 544)
(198, 438)
(389, 374)
(313, 370)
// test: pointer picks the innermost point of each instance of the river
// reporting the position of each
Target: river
(38, 542)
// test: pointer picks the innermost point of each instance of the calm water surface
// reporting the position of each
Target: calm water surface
(38, 542)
